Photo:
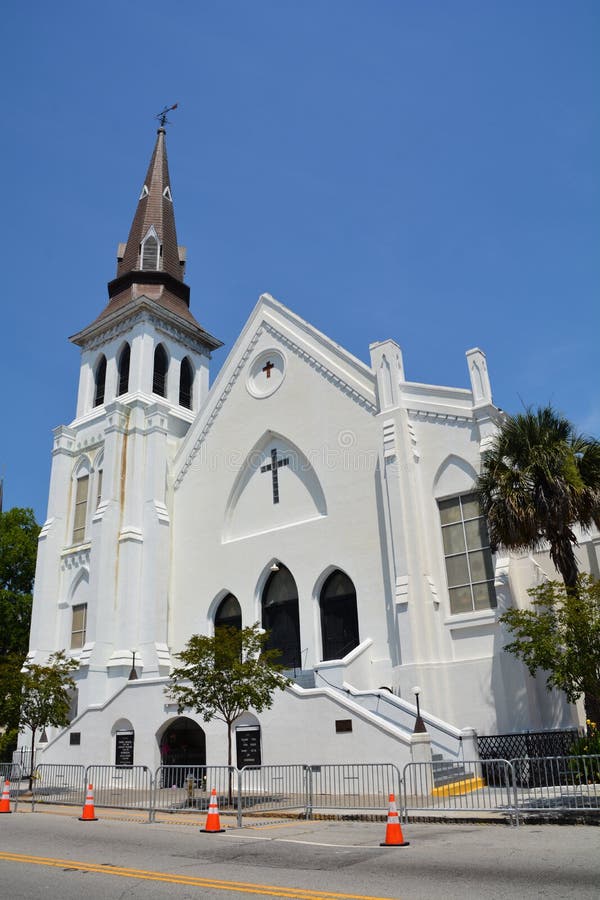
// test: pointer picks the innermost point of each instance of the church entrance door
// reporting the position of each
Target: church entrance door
(183, 744)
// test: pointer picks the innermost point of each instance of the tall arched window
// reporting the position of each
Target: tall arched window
(339, 616)
(186, 376)
(159, 377)
(100, 381)
(229, 613)
(280, 616)
(123, 369)
(150, 253)
(82, 484)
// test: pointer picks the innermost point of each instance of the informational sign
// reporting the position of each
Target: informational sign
(247, 742)
(124, 749)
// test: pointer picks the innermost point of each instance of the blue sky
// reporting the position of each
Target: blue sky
(422, 171)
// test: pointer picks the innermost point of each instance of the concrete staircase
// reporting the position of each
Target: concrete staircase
(445, 771)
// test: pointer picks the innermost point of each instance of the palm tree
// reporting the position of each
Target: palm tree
(538, 481)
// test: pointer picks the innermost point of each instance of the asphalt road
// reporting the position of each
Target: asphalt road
(46, 855)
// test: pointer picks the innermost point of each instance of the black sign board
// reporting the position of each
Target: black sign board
(124, 749)
(247, 742)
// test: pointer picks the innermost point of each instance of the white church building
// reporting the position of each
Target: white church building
(329, 500)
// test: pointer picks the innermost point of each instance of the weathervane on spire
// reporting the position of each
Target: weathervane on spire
(162, 116)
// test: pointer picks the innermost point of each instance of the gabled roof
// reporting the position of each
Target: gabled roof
(339, 367)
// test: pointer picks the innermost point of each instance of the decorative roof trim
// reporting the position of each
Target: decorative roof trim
(216, 409)
(143, 309)
(322, 369)
(330, 376)
(422, 414)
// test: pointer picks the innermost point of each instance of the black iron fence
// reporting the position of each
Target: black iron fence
(526, 746)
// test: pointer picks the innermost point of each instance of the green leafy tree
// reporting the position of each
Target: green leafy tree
(18, 548)
(41, 695)
(224, 675)
(10, 700)
(560, 635)
(538, 481)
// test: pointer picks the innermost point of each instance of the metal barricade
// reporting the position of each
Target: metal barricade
(556, 784)
(130, 787)
(188, 788)
(272, 788)
(481, 788)
(352, 786)
(325, 786)
(12, 773)
(58, 783)
(11, 770)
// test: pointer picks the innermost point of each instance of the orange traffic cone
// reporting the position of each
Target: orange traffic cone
(5, 801)
(89, 814)
(393, 832)
(213, 824)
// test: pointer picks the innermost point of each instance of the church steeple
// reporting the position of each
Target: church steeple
(150, 265)
(152, 242)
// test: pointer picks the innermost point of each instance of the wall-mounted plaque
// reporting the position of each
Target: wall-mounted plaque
(124, 749)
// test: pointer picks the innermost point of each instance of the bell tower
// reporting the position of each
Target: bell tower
(103, 564)
(146, 340)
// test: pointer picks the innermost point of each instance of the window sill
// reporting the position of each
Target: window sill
(473, 619)
(76, 548)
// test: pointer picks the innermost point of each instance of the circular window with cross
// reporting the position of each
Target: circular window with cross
(267, 371)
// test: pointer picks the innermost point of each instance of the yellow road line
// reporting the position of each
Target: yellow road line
(242, 887)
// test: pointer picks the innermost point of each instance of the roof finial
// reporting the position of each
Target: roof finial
(162, 116)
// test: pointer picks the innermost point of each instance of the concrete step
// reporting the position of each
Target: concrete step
(447, 772)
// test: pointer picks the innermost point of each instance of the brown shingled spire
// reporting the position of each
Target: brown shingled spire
(154, 210)
(160, 269)
(151, 264)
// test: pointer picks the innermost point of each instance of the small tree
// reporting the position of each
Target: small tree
(43, 696)
(561, 636)
(224, 675)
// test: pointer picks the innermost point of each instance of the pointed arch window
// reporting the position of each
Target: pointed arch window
(100, 381)
(229, 613)
(159, 376)
(280, 617)
(81, 502)
(123, 369)
(186, 378)
(151, 251)
(339, 616)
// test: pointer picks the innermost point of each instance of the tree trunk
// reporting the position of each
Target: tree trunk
(592, 708)
(229, 775)
(563, 557)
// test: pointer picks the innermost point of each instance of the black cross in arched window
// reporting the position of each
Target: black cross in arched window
(268, 368)
(273, 467)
